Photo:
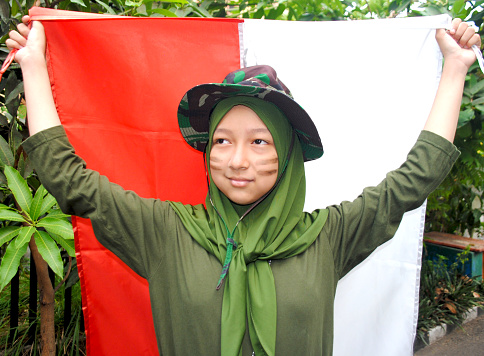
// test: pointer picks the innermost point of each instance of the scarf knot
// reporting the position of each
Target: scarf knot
(248, 256)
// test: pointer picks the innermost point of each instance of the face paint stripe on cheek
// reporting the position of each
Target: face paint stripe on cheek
(215, 165)
(267, 173)
(267, 161)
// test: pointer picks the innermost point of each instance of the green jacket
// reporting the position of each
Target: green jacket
(150, 238)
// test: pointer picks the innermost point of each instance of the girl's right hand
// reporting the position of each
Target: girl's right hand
(456, 43)
(29, 41)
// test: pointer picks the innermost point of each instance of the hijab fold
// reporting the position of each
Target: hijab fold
(277, 228)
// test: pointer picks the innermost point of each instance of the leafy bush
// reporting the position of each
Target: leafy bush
(456, 206)
(446, 294)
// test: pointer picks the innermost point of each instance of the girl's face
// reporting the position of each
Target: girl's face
(243, 159)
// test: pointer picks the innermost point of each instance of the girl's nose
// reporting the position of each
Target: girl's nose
(239, 159)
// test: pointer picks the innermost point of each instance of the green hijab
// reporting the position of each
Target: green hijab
(276, 228)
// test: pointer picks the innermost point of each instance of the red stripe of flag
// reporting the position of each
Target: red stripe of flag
(117, 84)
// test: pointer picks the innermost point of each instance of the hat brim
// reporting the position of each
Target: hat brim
(197, 104)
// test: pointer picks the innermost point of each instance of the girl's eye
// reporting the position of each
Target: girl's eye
(220, 141)
(260, 142)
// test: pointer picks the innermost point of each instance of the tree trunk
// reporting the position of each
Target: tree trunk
(47, 302)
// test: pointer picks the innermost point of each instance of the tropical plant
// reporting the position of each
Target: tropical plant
(29, 218)
(456, 206)
(34, 217)
(446, 294)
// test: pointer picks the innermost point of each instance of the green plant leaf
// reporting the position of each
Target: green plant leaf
(8, 214)
(459, 9)
(49, 251)
(164, 12)
(478, 101)
(10, 263)
(3, 120)
(465, 116)
(57, 213)
(15, 93)
(21, 165)
(36, 206)
(15, 138)
(57, 226)
(6, 156)
(7, 233)
(106, 7)
(79, 2)
(476, 88)
(68, 245)
(19, 188)
(4, 10)
(28, 168)
(24, 236)
(48, 202)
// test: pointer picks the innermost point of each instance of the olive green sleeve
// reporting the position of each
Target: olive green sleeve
(122, 221)
(355, 229)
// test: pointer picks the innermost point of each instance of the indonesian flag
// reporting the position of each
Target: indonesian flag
(368, 85)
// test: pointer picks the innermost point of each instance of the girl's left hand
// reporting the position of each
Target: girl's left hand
(456, 43)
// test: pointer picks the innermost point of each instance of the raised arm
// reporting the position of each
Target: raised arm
(80, 191)
(455, 45)
(31, 43)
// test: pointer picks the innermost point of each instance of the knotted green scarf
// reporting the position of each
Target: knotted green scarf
(277, 228)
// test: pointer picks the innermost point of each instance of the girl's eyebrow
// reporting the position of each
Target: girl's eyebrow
(260, 130)
(221, 129)
(256, 130)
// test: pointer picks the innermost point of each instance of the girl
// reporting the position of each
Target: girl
(277, 267)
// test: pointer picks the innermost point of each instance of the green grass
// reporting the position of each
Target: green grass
(70, 341)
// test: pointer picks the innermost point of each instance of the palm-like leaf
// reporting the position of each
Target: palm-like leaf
(58, 214)
(24, 236)
(10, 263)
(49, 251)
(58, 226)
(12, 215)
(7, 233)
(68, 245)
(36, 206)
(6, 156)
(48, 202)
(19, 188)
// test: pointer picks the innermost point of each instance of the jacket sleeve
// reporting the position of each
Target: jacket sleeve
(355, 229)
(122, 221)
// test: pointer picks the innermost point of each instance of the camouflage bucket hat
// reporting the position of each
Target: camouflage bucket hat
(258, 81)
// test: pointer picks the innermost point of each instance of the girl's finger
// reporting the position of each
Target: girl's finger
(467, 37)
(11, 44)
(26, 19)
(23, 30)
(460, 30)
(18, 38)
(455, 24)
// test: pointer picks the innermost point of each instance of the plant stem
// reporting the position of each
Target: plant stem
(46, 300)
